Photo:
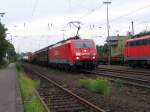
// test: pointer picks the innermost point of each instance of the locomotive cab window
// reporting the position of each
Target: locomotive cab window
(132, 43)
(144, 42)
(84, 44)
(127, 44)
(138, 43)
(148, 41)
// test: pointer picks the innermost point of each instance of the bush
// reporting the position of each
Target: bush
(102, 86)
(18, 66)
(119, 83)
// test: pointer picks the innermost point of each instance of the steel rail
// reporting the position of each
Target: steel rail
(81, 100)
(126, 71)
(129, 81)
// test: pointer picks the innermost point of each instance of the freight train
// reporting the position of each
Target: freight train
(67, 54)
(82, 53)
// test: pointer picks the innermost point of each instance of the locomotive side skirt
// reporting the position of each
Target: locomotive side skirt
(138, 58)
(61, 61)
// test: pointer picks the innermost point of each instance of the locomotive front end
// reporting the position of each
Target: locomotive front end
(85, 53)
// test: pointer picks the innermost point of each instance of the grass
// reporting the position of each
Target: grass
(102, 86)
(18, 66)
(119, 83)
(28, 87)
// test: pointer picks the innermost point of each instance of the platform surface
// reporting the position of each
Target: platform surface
(10, 97)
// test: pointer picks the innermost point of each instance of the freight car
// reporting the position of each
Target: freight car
(70, 53)
(27, 57)
(137, 51)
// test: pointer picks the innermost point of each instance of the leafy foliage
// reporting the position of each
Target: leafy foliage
(11, 52)
(141, 34)
(3, 42)
(119, 83)
(102, 86)
(102, 50)
(19, 66)
(5, 45)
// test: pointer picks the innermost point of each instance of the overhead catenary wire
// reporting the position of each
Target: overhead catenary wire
(122, 26)
(130, 13)
(34, 9)
(122, 16)
(90, 12)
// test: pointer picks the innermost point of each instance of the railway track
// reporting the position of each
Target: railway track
(126, 80)
(60, 99)
(134, 72)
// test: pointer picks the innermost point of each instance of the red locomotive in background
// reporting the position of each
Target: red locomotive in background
(137, 51)
(73, 52)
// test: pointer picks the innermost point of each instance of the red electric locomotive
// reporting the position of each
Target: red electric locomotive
(80, 53)
(137, 51)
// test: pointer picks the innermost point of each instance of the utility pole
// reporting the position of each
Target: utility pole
(108, 38)
(146, 28)
(63, 34)
(1, 15)
(132, 23)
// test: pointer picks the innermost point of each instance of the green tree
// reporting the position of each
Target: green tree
(141, 34)
(11, 52)
(4, 44)
(102, 49)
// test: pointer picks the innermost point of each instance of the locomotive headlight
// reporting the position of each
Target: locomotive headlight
(93, 57)
(77, 58)
(78, 54)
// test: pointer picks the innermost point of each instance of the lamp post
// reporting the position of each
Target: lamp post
(108, 38)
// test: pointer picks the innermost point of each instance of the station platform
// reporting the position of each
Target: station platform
(10, 96)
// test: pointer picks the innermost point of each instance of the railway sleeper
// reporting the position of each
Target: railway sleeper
(60, 99)
(75, 107)
(53, 103)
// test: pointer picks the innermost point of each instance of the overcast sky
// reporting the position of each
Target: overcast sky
(34, 24)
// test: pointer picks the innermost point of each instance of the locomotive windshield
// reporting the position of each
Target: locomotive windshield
(84, 44)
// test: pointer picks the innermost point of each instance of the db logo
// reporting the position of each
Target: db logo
(56, 52)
